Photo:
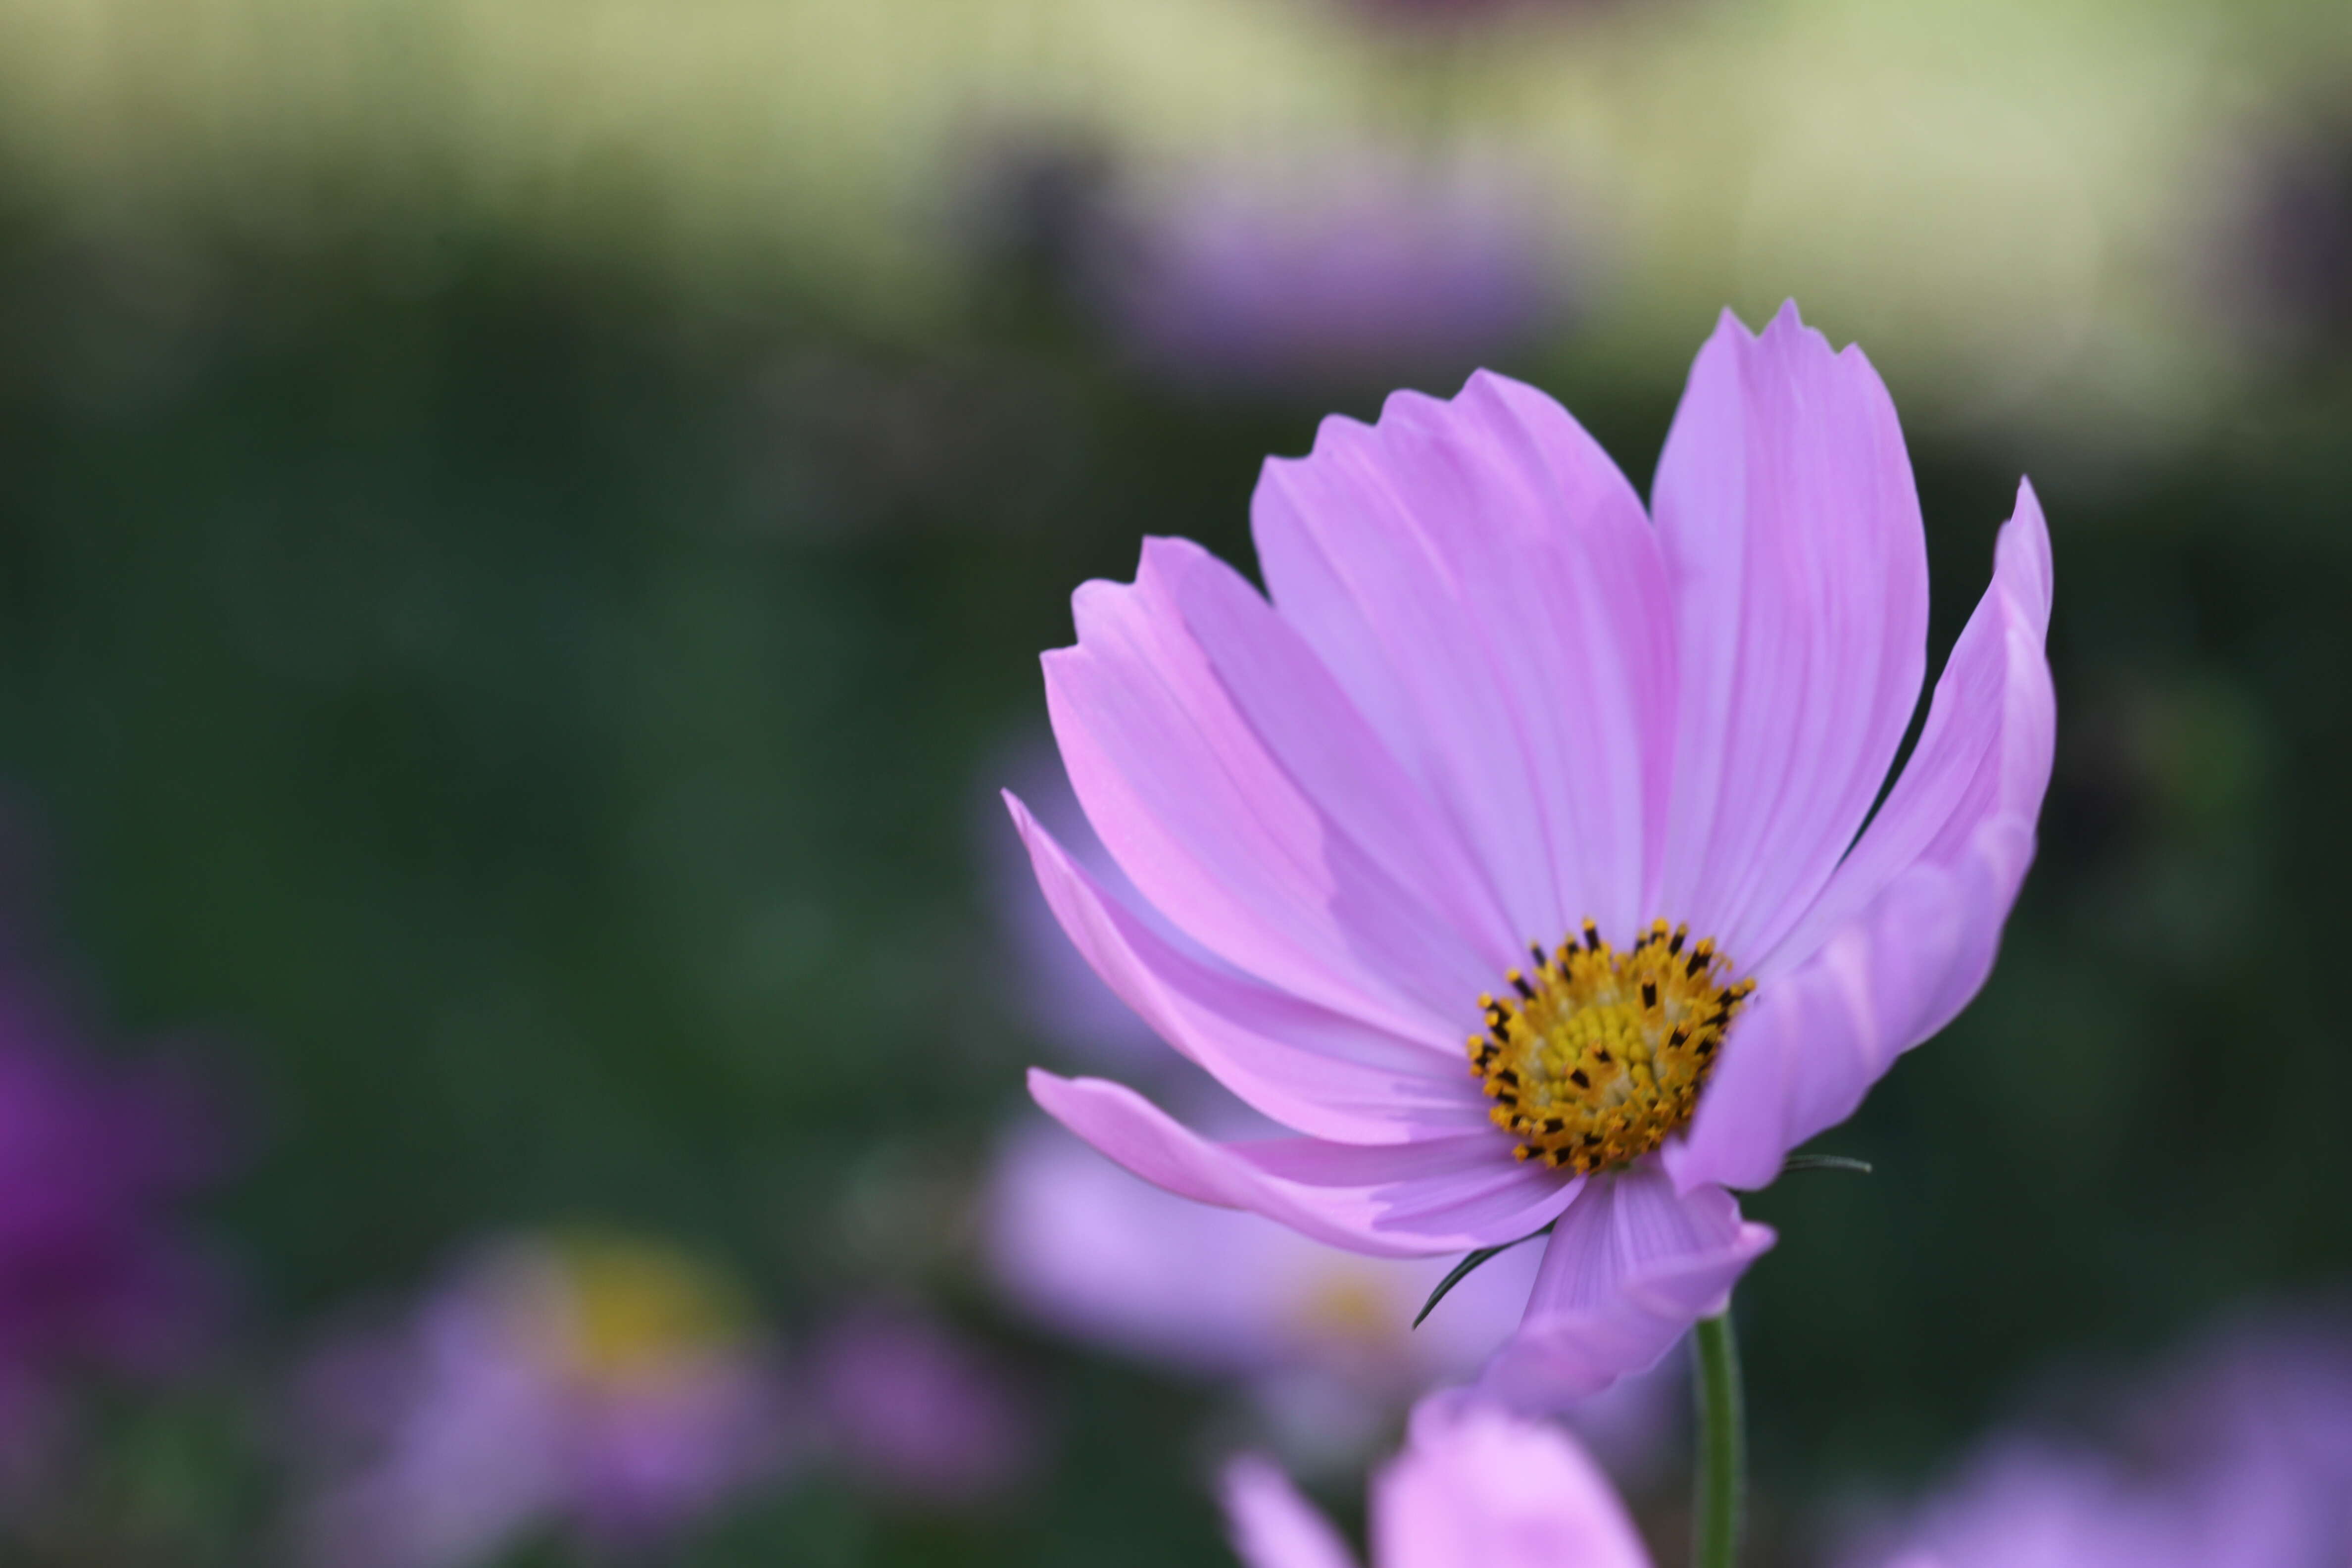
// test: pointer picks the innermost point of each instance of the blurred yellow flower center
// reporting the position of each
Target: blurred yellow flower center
(1344, 1303)
(1597, 1055)
(637, 1309)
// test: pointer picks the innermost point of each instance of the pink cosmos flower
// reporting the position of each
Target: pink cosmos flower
(1474, 1487)
(1505, 761)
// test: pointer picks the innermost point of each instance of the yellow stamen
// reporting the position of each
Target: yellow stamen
(1595, 1056)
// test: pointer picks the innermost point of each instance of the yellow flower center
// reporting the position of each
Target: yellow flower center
(1598, 1054)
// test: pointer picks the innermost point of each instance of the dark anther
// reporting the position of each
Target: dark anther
(1676, 945)
(1577, 1078)
(1648, 993)
(1706, 1046)
(1519, 984)
(1600, 1055)
(1591, 937)
(1697, 966)
(1554, 1124)
(1536, 948)
(1509, 1075)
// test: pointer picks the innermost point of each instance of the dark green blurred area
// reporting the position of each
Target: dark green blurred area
(540, 728)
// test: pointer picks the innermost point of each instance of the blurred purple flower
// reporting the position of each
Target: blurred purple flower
(2028, 1504)
(606, 1388)
(1454, 13)
(2287, 266)
(1373, 270)
(95, 1273)
(2238, 1456)
(1474, 1487)
(916, 1411)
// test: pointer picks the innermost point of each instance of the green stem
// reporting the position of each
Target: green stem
(1721, 1444)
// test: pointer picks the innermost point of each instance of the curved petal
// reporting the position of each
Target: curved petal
(1815, 1040)
(1271, 1526)
(1314, 1070)
(1986, 749)
(1400, 1200)
(1905, 931)
(1479, 1487)
(1630, 1266)
(1482, 582)
(1791, 533)
(1234, 781)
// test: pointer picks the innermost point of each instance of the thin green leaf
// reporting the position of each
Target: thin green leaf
(1825, 1163)
(1460, 1271)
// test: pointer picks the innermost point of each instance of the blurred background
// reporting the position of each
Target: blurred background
(528, 525)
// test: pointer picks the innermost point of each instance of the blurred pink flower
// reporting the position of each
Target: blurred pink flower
(601, 1386)
(918, 1412)
(1493, 711)
(1088, 1248)
(1371, 269)
(1474, 1487)
(1322, 1338)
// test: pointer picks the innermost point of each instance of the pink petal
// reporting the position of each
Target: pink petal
(1906, 931)
(1479, 1487)
(1815, 1040)
(1631, 1265)
(1234, 781)
(1985, 751)
(1398, 1200)
(1792, 538)
(1271, 1526)
(1315, 1070)
(1482, 582)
